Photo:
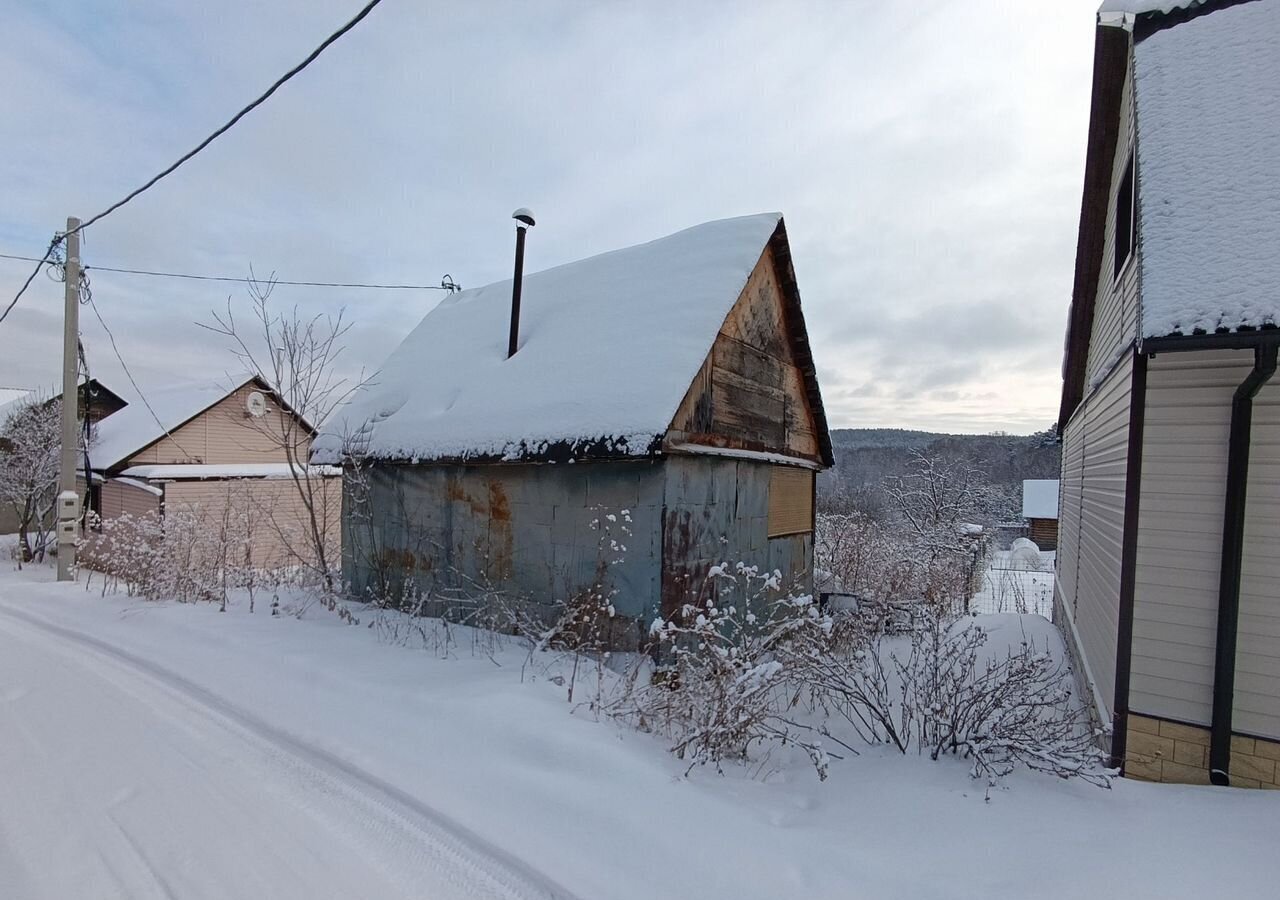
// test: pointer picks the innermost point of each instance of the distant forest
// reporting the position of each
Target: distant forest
(865, 457)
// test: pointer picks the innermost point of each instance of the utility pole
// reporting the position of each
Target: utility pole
(68, 497)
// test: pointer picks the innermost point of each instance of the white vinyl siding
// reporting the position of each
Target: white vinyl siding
(1115, 314)
(1095, 463)
(1184, 473)
(1257, 706)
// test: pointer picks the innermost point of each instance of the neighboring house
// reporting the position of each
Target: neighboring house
(95, 400)
(202, 447)
(1168, 584)
(669, 385)
(1040, 509)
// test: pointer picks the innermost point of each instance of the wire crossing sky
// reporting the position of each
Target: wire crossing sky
(931, 186)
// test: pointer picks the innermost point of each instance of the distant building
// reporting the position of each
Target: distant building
(669, 385)
(1040, 509)
(204, 447)
(1168, 586)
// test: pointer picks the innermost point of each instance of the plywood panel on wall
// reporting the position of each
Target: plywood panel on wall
(790, 501)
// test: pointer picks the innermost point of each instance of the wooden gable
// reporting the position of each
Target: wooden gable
(753, 392)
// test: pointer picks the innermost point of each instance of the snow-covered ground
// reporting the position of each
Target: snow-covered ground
(1010, 586)
(154, 750)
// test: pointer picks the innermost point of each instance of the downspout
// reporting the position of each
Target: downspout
(1224, 662)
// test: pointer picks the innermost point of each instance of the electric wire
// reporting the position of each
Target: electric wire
(446, 283)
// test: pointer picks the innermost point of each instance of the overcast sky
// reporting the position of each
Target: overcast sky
(928, 157)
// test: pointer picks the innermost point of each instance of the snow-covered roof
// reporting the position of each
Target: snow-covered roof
(1208, 120)
(9, 395)
(608, 347)
(1040, 498)
(1137, 7)
(227, 470)
(150, 416)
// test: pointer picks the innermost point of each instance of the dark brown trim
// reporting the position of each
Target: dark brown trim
(798, 335)
(1110, 65)
(1129, 560)
(1241, 339)
(1148, 23)
(1237, 490)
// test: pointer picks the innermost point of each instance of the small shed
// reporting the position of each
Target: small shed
(1040, 509)
(661, 415)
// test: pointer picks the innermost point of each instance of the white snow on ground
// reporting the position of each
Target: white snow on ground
(164, 750)
(608, 347)
(1008, 587)
(1208, 152)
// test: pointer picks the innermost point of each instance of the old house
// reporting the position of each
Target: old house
(1040, 510)
(1168, 585)
(660, 415)
(211, 450)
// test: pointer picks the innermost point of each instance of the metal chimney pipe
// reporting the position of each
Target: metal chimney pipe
(525, 219)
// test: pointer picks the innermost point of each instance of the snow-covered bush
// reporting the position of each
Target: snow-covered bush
(183, 555)
(722, 690)
(941, 690)
(30, 444)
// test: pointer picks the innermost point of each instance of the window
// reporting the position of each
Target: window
(790, 501)
(1126, 221)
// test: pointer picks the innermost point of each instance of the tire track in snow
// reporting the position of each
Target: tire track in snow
(441, 842)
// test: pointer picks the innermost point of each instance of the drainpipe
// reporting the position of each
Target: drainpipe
(525, 218)
(1224, 663)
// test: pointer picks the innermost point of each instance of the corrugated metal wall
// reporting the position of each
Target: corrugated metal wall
(717, 511)
(1184, 472)
(526, 530)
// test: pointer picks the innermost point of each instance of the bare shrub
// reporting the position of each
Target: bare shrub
(939, 690)
(723, 690)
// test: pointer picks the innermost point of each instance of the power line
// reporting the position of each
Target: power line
(311, 57)
(86, 296)
(446, 283)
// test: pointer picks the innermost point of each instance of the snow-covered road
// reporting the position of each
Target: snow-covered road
(119, 778)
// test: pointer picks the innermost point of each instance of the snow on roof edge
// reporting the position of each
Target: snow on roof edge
(651, 311)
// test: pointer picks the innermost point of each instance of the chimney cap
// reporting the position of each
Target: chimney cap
(524, 216)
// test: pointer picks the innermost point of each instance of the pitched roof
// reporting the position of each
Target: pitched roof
(1208, 149)
(158, 411)
(608, 347)
(1208, 122)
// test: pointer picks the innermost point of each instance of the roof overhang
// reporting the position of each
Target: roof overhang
(1110, 64)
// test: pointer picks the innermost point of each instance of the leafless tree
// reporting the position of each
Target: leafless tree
(30, 442)
(298, 357)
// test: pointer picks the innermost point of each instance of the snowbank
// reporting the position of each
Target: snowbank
(602, 811)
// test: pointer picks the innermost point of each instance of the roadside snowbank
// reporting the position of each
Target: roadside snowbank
(604, 811)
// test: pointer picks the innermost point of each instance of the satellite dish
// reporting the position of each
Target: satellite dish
(256, 404)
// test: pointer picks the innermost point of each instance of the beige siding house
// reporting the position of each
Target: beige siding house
(1168, 584)
(217, 454)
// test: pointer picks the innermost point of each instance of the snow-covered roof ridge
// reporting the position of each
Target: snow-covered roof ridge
(1040, 498)
(608, 347)
(1208, 127)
